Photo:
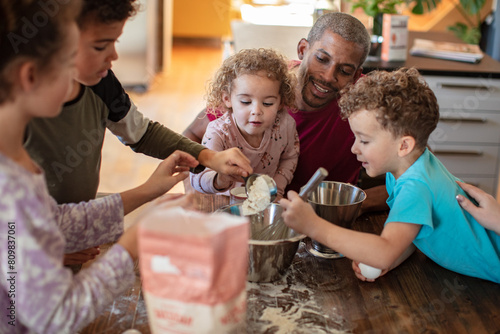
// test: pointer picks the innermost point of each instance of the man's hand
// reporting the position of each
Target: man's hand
(376, 198)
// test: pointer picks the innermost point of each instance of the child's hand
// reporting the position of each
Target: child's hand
(169, 172)
(297, 214)
(357, 272)
(129, 241)
(222, 182)
(231, 161)
(129, 238)
(488, 211)
(81, 257)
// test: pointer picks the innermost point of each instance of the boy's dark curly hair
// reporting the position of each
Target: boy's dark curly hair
(251, 61)
(403, 102)
(107, 11)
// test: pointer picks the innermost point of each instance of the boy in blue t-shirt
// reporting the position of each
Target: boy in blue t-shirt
(392, 115)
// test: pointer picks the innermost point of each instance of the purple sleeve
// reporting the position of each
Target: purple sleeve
(51, 300)
(90, 291)
(45, 296)
(89, 224)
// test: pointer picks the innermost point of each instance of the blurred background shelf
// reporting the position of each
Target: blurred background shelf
(145, 46)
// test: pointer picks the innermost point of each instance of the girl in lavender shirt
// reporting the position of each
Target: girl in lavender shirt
(37, 294)
(252, 87)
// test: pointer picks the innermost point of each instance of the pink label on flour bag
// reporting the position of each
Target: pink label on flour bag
(193, 267)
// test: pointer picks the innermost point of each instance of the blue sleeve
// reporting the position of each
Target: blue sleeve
(411, 202)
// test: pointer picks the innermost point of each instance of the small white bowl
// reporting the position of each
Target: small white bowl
(238, 195)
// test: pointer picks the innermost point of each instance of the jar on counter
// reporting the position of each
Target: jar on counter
(322, 7)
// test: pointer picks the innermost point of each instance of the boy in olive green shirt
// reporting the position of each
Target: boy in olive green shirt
(68, 147)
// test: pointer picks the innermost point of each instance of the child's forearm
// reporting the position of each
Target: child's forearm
(366, 248)
(379, 251)
(134, 198)
(222, 183)
(402, 258)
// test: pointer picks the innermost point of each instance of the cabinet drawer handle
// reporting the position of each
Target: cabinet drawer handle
(458, 86)
(462, 153)
(464, 120)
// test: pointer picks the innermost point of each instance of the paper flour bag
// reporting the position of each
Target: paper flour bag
(193, 267)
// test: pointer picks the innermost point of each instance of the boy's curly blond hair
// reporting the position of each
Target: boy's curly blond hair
(403, 102)
(251, 61)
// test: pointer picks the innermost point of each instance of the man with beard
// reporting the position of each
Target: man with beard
(330, 59)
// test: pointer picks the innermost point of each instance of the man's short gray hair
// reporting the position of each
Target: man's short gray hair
(347, 26)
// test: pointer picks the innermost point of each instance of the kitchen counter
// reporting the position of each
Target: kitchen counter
(488, 67)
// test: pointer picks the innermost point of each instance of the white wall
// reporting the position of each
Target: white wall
(138, 60)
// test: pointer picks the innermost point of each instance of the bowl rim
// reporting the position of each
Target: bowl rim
(296, 238)
(256, 242)
(339, 205)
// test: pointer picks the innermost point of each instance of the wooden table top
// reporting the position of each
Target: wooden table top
(323, 296)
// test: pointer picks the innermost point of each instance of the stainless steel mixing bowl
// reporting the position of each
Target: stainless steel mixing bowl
(338, 203)
(268, 259)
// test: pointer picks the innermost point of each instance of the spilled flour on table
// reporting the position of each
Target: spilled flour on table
(288, 306)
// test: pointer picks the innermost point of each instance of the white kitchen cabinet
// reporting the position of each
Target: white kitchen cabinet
(467, 137)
